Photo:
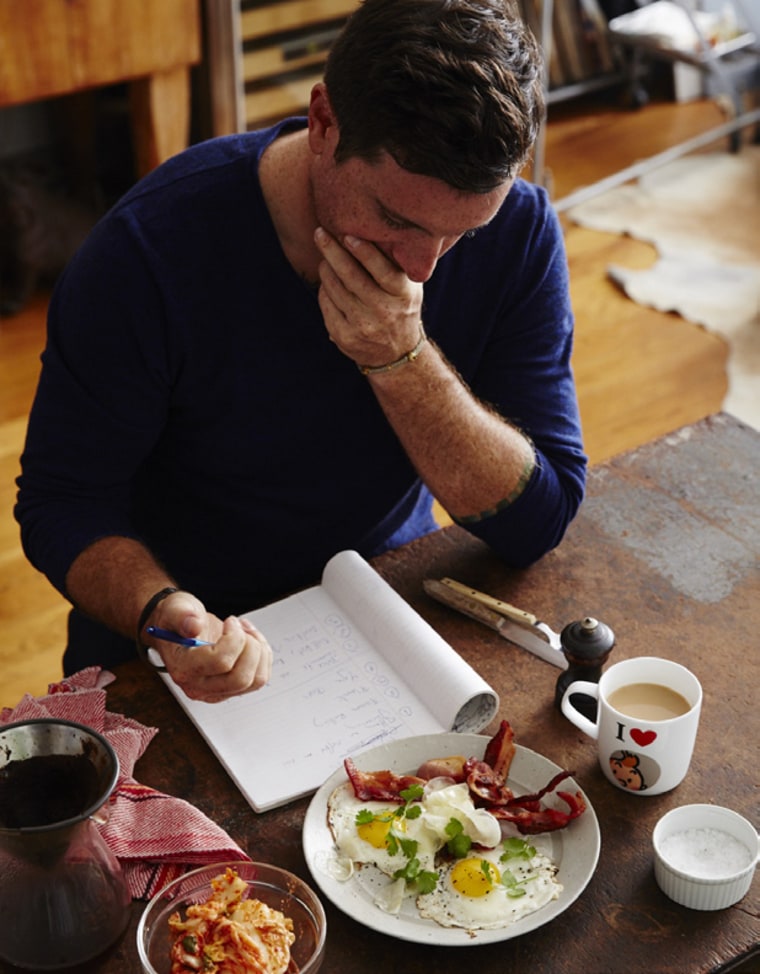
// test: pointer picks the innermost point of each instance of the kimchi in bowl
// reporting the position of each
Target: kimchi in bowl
(277, 888)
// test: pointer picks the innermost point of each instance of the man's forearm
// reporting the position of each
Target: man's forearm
(470, 458)
(113, 579)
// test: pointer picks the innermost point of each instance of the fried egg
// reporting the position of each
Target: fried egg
(485, 891)
(377, 838)
(371, 842)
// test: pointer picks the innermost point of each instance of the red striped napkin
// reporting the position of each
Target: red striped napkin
(156, 837)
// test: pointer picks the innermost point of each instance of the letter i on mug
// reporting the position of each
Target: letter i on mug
(646, 727)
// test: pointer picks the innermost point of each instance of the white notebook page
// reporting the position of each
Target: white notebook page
(354, 665)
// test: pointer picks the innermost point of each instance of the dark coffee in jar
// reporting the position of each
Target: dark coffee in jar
(47, 788)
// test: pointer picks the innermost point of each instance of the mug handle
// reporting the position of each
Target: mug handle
(575, 716)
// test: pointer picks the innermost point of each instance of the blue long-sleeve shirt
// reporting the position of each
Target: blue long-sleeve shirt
(190, 396)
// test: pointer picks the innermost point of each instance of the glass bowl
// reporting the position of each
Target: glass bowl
(276, 887)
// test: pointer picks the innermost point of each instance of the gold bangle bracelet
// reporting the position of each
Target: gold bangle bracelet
(405, 358)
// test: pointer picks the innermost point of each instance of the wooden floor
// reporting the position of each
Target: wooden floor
(640, 373)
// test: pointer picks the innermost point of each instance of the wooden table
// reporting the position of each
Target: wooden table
(666, 550)
(63, 47)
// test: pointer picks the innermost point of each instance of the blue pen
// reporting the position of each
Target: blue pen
(174, 637)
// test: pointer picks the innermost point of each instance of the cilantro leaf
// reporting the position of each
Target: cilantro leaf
(512, 885)
(411, 793)
(454, 827)
(427, 881)
(409, 870)
(517, 849)
(459, 843)
(459, 846)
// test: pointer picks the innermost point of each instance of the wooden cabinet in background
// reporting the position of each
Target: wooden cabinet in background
(264, 57)
(61, 47)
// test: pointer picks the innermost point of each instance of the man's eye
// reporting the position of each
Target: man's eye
(393, 223)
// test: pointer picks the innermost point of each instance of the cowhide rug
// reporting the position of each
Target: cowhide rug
(702, 214)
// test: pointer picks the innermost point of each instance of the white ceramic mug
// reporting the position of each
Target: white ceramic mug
(647, 717)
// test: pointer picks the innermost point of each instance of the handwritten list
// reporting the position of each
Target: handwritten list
(354, 665)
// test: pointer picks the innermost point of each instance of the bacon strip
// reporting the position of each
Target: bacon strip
(500, 750)
(487, 786)
(487, 781)
(530, 822)
(529, 801)
(379, 785)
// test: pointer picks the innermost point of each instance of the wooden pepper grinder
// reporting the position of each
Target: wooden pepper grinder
(586, 644)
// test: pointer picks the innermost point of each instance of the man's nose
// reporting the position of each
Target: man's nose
(417, 259)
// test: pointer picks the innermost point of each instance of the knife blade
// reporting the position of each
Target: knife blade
(511, 623)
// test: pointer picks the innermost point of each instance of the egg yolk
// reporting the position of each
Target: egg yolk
(474, 877)
(376, 831)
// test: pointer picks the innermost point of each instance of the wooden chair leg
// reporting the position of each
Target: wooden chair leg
(160, 108)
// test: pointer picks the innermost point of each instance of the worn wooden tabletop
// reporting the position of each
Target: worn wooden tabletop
(666, 550)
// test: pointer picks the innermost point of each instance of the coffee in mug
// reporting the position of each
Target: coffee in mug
(649, 701)
(646, 726)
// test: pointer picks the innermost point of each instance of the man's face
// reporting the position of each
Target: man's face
(412, 219)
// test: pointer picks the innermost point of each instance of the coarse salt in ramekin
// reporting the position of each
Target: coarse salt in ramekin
(704, 856)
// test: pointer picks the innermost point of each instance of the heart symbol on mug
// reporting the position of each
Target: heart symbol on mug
(642, 738)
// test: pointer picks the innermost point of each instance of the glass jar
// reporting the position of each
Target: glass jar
(63, 897)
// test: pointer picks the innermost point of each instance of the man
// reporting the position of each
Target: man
(280, 344)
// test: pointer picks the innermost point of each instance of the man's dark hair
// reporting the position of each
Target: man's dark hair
(449, 88)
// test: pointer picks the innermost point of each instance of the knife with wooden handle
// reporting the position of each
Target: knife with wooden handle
(507, 620)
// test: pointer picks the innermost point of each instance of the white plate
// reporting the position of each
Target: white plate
(575, 849)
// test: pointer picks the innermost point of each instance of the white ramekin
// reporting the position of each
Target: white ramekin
(699, 892)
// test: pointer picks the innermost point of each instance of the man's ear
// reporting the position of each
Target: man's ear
(323, 129)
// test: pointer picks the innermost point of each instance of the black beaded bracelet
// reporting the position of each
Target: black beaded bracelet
(146, 613)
